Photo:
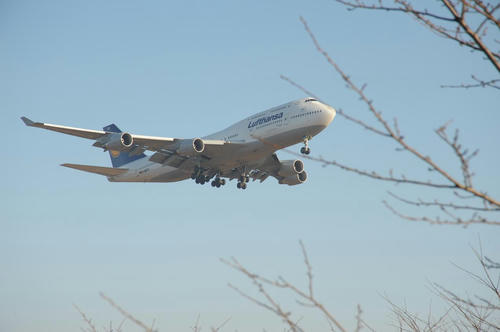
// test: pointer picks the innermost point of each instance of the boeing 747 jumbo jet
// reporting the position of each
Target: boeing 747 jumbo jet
(242, 151)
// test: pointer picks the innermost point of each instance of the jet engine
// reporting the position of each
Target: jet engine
(190, 147)
(295, 179)
(119, 142)
(291, 167)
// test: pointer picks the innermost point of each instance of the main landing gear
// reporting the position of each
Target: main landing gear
(305, 149)
(199, 177)
(217, 182)
(242, 181)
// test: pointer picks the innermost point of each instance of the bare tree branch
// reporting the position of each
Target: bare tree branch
(455, 27)
(307, 298)
(490, 204)
(439, 204)
(480, 83)
(478, 41)
(127, 315)
(455, 220)
(91, 326)
(463, 313)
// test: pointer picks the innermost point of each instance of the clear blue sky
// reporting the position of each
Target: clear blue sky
(185, 69)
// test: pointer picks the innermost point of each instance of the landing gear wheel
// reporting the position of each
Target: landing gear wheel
(305, 149)
(213, 184)
(238, 185)
(217, 184)
(243, 186)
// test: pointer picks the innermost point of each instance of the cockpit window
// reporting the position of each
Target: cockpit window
(309, 99)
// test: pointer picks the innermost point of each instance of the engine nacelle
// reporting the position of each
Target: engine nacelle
(295, 179)
(291, 167)
(190, 147)
(119, 142)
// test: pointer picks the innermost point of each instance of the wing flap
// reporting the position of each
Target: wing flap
(214, 148)
(106, 171)
(153, 143)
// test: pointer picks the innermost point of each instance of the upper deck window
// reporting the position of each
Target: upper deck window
(309, 99)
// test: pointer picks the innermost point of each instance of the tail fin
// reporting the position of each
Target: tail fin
(120, 158)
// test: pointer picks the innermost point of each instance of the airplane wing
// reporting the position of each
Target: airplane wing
(151, 143)
(85, 133)
(167, 149)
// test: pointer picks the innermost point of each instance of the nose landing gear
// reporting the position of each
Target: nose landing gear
(305, 149)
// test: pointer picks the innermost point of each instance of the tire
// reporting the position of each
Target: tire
(238, 185)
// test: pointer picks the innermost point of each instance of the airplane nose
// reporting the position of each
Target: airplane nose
(329, 113)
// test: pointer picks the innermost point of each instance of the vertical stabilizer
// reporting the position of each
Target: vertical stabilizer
(120, 158)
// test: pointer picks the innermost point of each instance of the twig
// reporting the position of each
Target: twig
(91, 326)
(271, 304)
(126, 314)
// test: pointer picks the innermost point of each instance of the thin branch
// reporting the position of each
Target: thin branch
(196, 327)
(475, 219)
(218, 328)
(91, 326)
(480, 84)
(309, 269)
(126, 314)
(372, 174)
(361, 5)
(437, 203)
(339, 111)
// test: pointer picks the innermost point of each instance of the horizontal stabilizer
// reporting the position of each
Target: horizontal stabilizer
(106, 171)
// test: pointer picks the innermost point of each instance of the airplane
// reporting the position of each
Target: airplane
(245, 150)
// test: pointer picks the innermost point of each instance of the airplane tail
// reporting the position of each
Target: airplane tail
(120, 158)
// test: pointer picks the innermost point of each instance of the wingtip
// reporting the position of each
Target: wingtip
(27, 121)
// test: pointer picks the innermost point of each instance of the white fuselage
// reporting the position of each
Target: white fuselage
(253, 138)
